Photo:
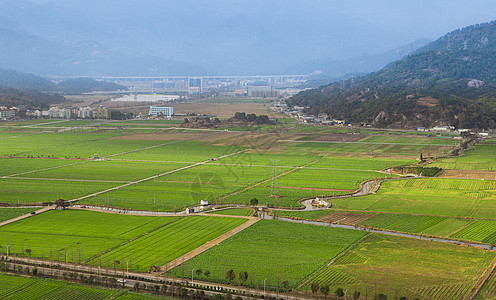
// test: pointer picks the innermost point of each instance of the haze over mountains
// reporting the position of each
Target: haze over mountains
(153, 37)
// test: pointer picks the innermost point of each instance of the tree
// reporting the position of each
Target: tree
(315, 287)
(60, 203)
(356, 295)
(243, 276)
(28, 252)
(381, 297)
(230, 276)
(324, 290)
(198, 272)
(339, 292)
(285, 284)
(206, 273)
(254, 201)
(186, 121)
(421, 158)
(163, 289)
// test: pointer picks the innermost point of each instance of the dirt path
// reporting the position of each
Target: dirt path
(208, 245)
(475, 290)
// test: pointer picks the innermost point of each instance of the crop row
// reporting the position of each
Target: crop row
(448, 291)
(482, 231)
(333, 277)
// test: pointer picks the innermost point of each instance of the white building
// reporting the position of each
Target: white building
(85, 113)
(33, 113)
(59, 113)
(161, 111)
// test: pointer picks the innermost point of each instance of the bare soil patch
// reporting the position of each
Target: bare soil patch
(467, 174)
(339, 137)
(178, 136)
(346, 218)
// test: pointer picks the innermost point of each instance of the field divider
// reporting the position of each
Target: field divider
(475, 290)
(46, 169)
(363, 143)
(161, 145)
(311, 276)
(66, 179)
(153, 177)
(178, 261)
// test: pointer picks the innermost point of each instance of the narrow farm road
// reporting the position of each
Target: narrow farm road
(39, 211)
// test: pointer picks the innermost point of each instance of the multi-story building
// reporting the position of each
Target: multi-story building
(7, 114)
(59, 113)
(100, 112)
(85, 113)
(161, 111)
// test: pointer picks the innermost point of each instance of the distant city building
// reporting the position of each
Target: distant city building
(195, 85)
(161, 111)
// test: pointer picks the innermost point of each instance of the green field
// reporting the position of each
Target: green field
(407, 267)
(9, 167)
(23, 191)
(433, 196)
(10, 213)
(111, 170)
(483, 157)
(169, 242)
(72, 234)
(277, 250)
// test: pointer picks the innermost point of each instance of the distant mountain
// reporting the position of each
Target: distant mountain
(333, 69)
(30, 53)
(24, 81)
(449, 81)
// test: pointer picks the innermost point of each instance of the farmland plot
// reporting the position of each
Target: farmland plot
(277, 250)
(383, 264)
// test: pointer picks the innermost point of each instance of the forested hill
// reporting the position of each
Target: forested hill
(451, 81)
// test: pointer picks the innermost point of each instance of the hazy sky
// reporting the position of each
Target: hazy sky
(249, 35)
(415, 18)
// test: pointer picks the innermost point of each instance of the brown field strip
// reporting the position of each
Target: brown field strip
(345, 218)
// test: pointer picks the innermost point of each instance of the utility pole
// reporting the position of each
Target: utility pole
(275, 183)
